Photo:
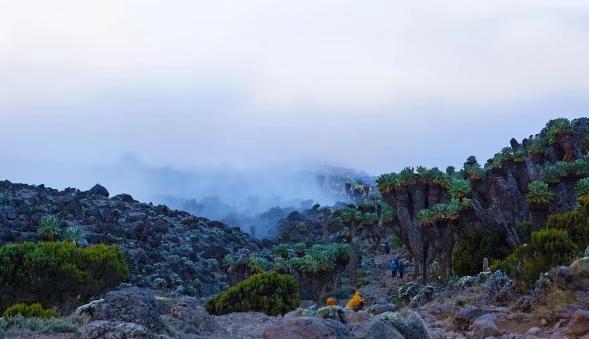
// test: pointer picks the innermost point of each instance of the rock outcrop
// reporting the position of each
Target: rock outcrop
(165, 249)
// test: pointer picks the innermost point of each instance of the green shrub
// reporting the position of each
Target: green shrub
(322, 258)
(441, 212)
(49, 227)
(557, 127)
(55, 272)
(536, 146)
(15, 326)
(30, 311)
(258, 264)
(519, 155)
(301, 227)
(576, 223)
(563, 169)
(74, 235)
(539, 194)
(269, 292)
(524, 231)
(387, 213)
(547, 248)
(582, 188)
(472, 247)
(408, 176)
(369, 219)
(280, 251)
(472, 170)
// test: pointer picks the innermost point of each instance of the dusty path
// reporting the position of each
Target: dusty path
(381, 284)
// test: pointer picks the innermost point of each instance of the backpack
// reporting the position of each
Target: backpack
(393, 264)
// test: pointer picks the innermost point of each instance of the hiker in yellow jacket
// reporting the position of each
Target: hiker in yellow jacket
(356, 302)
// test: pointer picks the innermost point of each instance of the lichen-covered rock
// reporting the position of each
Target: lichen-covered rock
(377, 329)
(410, 326)
(415, 294)
(581, 267)
(499, 287)
(466, 281)
(307, 328)
(485, 327)
(579, 325)
(130, 305)
(102, 329)
(465, 317)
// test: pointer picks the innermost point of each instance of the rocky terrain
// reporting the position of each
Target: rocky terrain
(171, 251)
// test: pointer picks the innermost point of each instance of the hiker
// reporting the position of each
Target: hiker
(356, 303)
(394, 265)
(401, 269)
(387, 248)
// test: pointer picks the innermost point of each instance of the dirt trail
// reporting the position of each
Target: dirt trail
(382, 284)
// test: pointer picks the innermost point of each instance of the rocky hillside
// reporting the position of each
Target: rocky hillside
(166, 250)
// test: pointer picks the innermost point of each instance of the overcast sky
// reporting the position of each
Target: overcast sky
(373, 85)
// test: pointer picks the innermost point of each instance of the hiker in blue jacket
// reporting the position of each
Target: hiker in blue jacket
(394, 265)
(401, 268)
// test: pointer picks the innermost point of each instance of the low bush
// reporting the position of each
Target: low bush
(539, 194)
(575, 223)
(547, 248)
(322, 258)
(556, 128)
(536, 146)
(53, 273)
(30, 311)
(524, 231)
(15, 326)
(555, 172)
(258, 264)
(472, 247)
(269, 292)
(49, 227)
(582, 188)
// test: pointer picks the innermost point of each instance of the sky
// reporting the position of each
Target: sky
(258, 84)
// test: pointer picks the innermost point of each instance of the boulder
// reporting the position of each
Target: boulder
(307, 328)
(198, 321)
(377, 329)
(499, 287)
(581, 267)
(464, 318)
(112, 329)
(131, 305)
(382, 308)
(579, 325)
(99, 190)
(485, 327)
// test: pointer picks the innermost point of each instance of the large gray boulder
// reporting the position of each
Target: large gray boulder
(130, 305)
(377, 329)
(307, 328)
(188, 317)
(485, 327)
(99, 190)
(464, 318)
(102, 329)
